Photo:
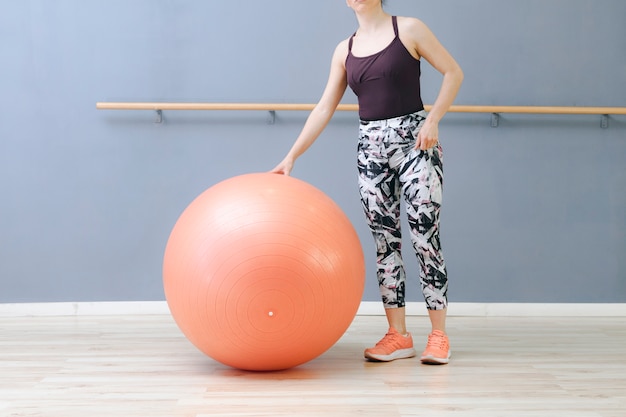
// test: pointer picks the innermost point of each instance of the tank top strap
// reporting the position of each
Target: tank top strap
(350, 42)
(394, 20)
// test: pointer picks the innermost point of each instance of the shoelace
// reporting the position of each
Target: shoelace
(437, 340)
(391, 337)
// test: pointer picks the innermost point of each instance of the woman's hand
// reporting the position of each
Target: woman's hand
(428, 136)
(285, 166)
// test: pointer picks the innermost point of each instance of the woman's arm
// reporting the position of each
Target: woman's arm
(322, 112)
(425, 44)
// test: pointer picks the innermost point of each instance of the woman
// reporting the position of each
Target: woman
(398, 157)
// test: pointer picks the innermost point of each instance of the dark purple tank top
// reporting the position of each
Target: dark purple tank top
(387, 83)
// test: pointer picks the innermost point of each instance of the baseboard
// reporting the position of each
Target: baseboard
(509, 309)
(367, 308)
(122, 308)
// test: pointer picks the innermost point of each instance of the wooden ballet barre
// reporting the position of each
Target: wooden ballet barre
(273, 107)
(217, 106)
(355, 107)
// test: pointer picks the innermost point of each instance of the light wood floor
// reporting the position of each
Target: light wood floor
(143, 366)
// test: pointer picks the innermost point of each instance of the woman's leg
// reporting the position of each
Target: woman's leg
(380, 198)
(422, 177)
(396, 317)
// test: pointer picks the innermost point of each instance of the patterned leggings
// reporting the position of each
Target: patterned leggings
(389, 167)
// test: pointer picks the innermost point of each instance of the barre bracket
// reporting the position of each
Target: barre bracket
(272, 117)
(495, 119)
(604, 122)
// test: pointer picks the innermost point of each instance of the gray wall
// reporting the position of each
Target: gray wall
(535, 210)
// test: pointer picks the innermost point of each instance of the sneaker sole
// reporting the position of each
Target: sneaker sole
(432, 360)
(398, 354)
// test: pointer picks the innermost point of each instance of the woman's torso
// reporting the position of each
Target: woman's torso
(387, 83)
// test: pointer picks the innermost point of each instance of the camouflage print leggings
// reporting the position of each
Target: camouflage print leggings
(390, 167)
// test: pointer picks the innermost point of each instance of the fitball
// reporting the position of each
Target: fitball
(263, 272)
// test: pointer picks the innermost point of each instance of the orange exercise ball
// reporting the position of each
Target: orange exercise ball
(263, 272)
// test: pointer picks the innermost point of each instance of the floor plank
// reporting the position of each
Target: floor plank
(143, 366)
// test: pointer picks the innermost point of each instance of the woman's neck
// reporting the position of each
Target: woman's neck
(372, 21)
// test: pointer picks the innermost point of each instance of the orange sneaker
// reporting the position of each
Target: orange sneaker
(391, 347)
(437, 349)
